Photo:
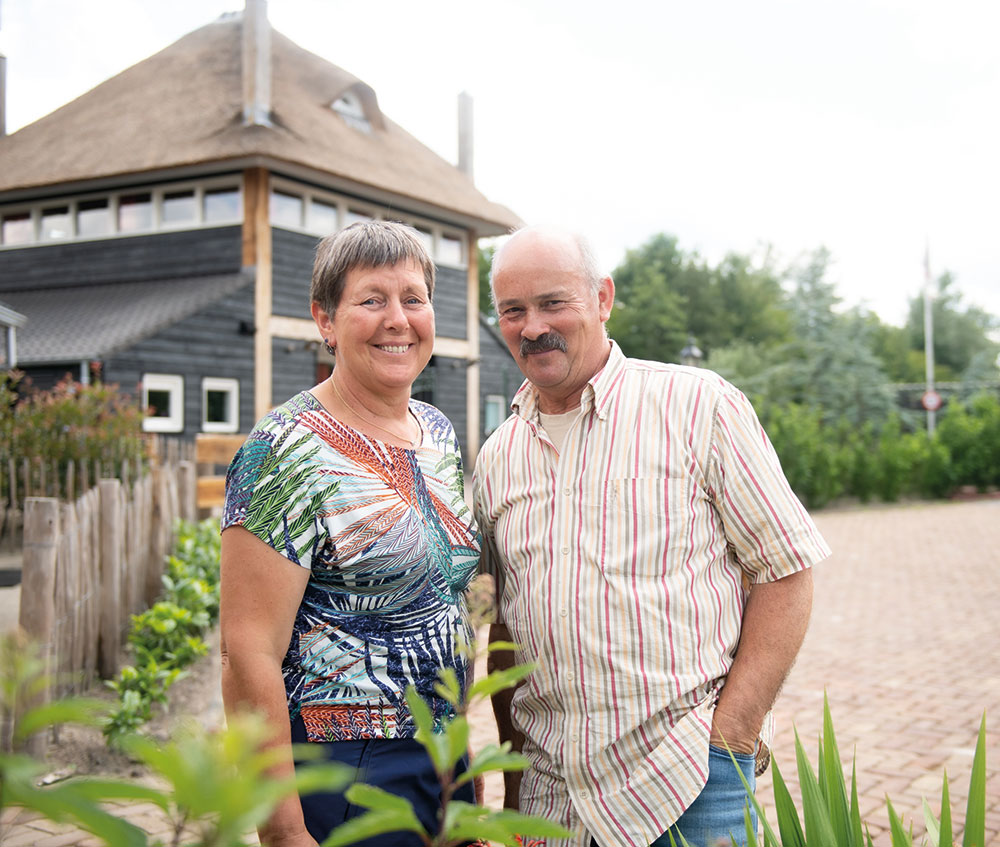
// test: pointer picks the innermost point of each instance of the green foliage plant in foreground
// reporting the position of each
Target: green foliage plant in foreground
(169, 636)
(216, 785)
(831, 817)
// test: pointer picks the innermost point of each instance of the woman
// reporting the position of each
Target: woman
(347, 544)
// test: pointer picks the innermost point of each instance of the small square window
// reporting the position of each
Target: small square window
(449, 250)
(495, 412)
(286, 209)
(93, 217)
(220, 404)
(222, 204)
(135, 212)
(163, 400)
(322, 217)
(178, 208)
(55, 223)
(18, 228)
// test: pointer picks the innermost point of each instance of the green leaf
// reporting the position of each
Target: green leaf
(899, 835)
(493, 758)
(457, 733)
(945, 836)
(448, 688)
(368, 825)
(69, 710)
(784, 808)
(931, 824)
(499, 681)
(814, 810)
(975, 813)
(493, 646)
(378, 799)
(435, 743)
(833, 783)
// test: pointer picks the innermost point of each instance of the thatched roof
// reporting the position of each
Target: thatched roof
(182, 107)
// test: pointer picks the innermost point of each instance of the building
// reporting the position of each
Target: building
(160, 229)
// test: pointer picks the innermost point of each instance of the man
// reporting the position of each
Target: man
(649, 556)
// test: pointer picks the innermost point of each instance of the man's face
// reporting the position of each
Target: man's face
(551, 317)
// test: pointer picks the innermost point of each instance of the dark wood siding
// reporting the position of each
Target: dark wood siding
(293, 364)
(162, 255)
(450, 298)
(208, 343)
(498, 373)
(291, 270)
(449, 395)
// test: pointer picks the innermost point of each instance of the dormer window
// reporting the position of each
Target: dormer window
(349, 107)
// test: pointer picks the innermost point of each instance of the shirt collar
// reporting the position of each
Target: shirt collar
(596, 393)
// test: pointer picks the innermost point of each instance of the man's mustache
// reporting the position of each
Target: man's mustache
(544, 343)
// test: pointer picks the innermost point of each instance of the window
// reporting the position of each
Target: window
(93, 217)
(349, 107)
(220, 404)
(178, 207)
(286, 209)
(449, 250)
(163, 399)
(55, 223)
(135, 212)
(495, 412)
(222, 204)
(322, 217)
(18, 229)
(427, 237)
(356, 216)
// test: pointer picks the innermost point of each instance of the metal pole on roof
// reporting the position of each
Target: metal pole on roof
(465, 133)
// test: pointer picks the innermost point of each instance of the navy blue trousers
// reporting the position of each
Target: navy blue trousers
(400, 766)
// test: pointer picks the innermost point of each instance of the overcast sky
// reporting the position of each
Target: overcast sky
(867, 126)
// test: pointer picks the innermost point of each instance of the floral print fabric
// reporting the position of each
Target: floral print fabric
(390, 546)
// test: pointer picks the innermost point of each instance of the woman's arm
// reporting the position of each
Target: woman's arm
(260, 594)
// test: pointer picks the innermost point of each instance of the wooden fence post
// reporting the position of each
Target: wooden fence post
(187, 488)
(111, 577)
(38, 608)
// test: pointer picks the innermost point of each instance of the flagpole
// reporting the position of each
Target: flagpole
(928, 336)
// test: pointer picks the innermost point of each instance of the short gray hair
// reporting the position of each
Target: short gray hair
(368, 244)
(589, 267)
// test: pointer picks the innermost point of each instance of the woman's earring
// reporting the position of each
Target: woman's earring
(332, 350)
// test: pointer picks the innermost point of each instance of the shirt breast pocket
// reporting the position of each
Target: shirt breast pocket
(649, 524)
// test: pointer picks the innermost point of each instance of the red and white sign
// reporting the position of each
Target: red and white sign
(931, 401)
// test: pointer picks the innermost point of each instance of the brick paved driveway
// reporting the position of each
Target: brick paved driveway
(905, 640)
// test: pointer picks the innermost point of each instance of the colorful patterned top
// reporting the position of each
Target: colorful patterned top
(390, 545)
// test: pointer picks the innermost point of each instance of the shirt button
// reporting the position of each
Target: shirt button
(574, 738)
(567, 491)
(564, 612)
(583, 795)
(569, 676)
(565, 551)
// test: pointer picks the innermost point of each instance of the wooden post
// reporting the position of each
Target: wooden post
(187, 486)
(111, 578)
(38, 608)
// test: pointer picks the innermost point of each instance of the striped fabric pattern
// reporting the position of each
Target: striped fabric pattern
(622, 565)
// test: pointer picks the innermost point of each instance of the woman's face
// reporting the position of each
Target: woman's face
(383, 328)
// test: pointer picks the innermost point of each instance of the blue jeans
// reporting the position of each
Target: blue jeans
(717, 812)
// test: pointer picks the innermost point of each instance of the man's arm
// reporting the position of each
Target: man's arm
(774, 624)
(501, 660)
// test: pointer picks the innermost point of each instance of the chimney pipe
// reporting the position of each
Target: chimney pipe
(256, 64)
(465, 133)
(3, 95)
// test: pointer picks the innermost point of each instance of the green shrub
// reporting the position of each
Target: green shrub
(168, 636)
(71, 423)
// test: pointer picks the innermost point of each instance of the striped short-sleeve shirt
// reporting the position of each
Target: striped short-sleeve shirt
(622, 565)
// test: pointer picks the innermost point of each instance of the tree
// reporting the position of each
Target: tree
(959, 332)
(484, 258)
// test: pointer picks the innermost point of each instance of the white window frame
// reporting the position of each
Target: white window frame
(232, 387)
(503, 408)
(349, 204)
(156, 193)
(173, 384)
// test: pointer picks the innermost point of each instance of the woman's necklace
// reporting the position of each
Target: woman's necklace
(412, 442)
